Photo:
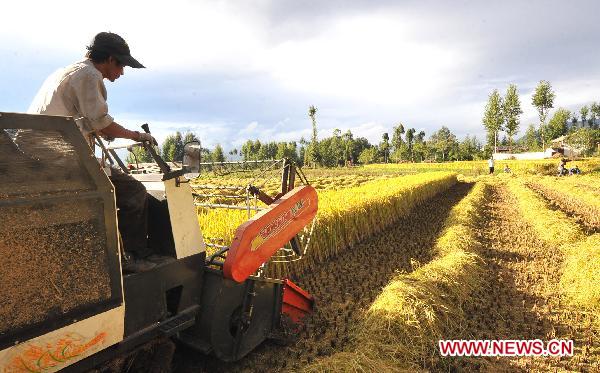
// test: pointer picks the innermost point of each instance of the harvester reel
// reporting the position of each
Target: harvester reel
(247, 197)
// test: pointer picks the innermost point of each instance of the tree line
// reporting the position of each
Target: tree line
(502, 114)
(173, 147)
(501, 120)
(343, 148)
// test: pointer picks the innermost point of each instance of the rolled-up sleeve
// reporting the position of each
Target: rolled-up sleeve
(90, 94)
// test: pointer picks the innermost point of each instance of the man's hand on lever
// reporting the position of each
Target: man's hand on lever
(115, 130)
(146, 137)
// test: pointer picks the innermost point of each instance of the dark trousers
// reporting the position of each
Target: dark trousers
(132, 204)
(491, 170)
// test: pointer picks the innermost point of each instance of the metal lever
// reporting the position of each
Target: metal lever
(164, 167)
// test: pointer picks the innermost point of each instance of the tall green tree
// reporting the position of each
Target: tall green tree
(543, 100)
(493, 119)
(250, 150)
(206, 155)
(178, 153)
(574, 119)
(172, 147)
(138, 154)
(595, 113)
(287, 150)
(358, 145)
(312, 150)
(410, 138)
(397, 133)
(584, 111)
(557, 125)
(532, 139)
(469, 148)
(349, 144)
(420, 146)
(268, 150)
(337, 147)
(587, 139)
(368, 155)
(442, 142)
(398, 141)
(190, 137)
(302, 153)
(384, 147)
(511, 109)
(217, 154)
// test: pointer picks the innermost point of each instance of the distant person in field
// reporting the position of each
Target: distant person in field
(506, 169)
(574, 171)
(562, 168)
(491, 164)
(78, 91)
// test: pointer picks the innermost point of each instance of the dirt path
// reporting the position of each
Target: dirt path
(522, 301)
(344, 287)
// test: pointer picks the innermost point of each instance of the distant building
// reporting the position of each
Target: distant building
(559, 145)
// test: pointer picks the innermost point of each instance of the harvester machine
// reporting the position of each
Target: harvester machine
(65, 301)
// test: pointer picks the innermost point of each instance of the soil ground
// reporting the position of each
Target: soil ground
(523, 298)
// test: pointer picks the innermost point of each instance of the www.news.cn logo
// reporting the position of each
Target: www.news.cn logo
(506, 347)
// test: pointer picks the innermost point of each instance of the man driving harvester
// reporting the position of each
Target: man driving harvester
(78, 90)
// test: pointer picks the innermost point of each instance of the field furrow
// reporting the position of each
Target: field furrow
(401, 328)
(346, 285)
(525, 299)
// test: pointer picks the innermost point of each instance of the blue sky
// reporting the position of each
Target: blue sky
(233, 70)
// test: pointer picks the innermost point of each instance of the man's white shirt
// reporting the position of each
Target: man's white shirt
(77, 90)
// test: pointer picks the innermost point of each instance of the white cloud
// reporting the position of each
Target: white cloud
(250, 129)
(367, 58)
(426, 65)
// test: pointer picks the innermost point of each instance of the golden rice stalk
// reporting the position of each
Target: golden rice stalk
(552, 226)
(581, 277)
(533, 167)
(571, 195)
(350, 215)
(345, 216)
(580, 281)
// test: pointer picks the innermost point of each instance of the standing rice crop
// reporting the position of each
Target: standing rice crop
(345, 216)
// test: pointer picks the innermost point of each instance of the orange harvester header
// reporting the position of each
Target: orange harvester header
(266, 232)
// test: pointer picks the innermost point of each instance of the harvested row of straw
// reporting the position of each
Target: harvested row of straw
(582, 200)
(581, 277)
(580, 281)
(554, 227)
(401, 328)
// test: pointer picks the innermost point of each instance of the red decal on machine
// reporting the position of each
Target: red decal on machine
(279, 224)
(266, 232)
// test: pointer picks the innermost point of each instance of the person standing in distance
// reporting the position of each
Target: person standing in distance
(78, 91)
(491, 164)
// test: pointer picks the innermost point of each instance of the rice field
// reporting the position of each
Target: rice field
(405, 255)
